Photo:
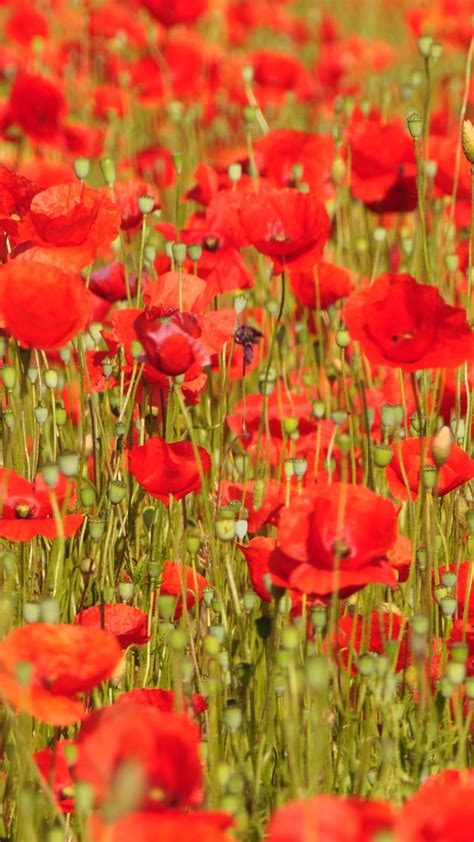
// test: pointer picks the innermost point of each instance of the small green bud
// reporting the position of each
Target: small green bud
(117, 492)
(8, 377)
(69, 462)
(107, 167)
(383, 455)
(81, 168)
(415, 125)
(145, 204)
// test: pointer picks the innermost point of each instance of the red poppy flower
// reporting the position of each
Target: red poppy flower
(171, 342)
(270, 507)
(441, 810)
(180, 11)
(66, 225)
(37, 106)
(290, 227)
(127, 623)
(112, 20)
(331, 818)
(383, 169)
(108, 282)
(126, 195)
(372, 633)
(400, 557)
(42, 306)
(326, 283)
(463, 573)
(26, 23)
(160, 747)
(458, 469)
(165, 469)
(61, 662)
(56, 771)
(155, 164)
(16, 193)
(277, 152)
(166, 826)
(163, 700)
(461, 631)
(26, 509)
(402, 323)
(173, 582)
(335, 538)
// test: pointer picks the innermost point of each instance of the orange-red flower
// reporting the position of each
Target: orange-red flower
(331, 818)
(42, 306)
(37, 106)
(177, 577)
(441, 810)
(26, 508)
(127, 623)
(45, 668)
(166, 826)
(458, 468)
(168, 469)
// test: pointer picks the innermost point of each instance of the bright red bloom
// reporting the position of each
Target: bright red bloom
(408, 325)
(161, 747)
(441, 810)
(16, 193)
(173, 583)
(165, 827)
(383, 169)
(163, 700)
(463, 572)
(335, 538)
(62, 662)
(42, 306)
(66, 225)
(179, 11)
(126, 195)
(458, 468)
(461, 631)
(26, 510)
(400, 557)
(373, 633)
(325, 283)
(277, 152)
(290, 227)
(165, 469)
(270, 507)
(26, 23)
(127, 623)
(330, 818)
(37, 106)
(108, 282)
(56, 771)
(171, 342)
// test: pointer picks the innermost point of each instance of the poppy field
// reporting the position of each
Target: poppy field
(236, 421)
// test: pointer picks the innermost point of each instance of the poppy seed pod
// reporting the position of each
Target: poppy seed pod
(68, 462)
(145, 204)
(383, 455)
(415, 125)
(9, 377)
(424, 45)
(234, 172)
(441, 446)
(449, 578)
(195, 252)
(107, 167)
(50, 473)
(81, 168)
(178, 160)
(468, 140)
(117, 492)
(51, 378)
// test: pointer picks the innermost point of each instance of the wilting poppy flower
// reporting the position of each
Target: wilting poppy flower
(42, 306)
(127, 623)
(37, 106)
(325, 284)
(375, 632)
(458, 468)
(162, 699)
(180, 11)
(44, 668)
(165, 469)
(335, 539)
(166, 826)
(331, 818)
(175, 577)
(171, 341)
(159, 748)
(56, 771)
(66, 225)
(26, 509)
(441, 810)
(399, 322)
(290, 227)
(383, 169)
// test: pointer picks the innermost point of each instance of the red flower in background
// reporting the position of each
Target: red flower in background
(126, 196)
(127, 623)
(179, 11)
(26, 509)
(290, 227)
(108, 282)
(60, 662)
(325, 283)
(42, 306)
(66, 225)
(372, 633)
(258, 515)
(171, 342)
(335, 538)
(26, 23)
(163, 700)
(165, 826)
(37, 106)
(399, 322)
(177, 577)
(331, 818)
(165, 469)
(383, 168)
(161, 747)
(277, 152)
(56, 771)
(16, 193)
(441, 810)
(458, 469)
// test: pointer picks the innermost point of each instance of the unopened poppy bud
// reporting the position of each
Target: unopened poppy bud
(31, 612)
(81, 168)
(61, 416)
(468, 140)
(9, 377)
(178, 640)
(247, 74)
(179, 252)
(88, 497)
(430, 477)
(343, 337)
(234, 171)
(107, 367)
(290, 424)
(289, 468)
(50, 474)
(96, 527)
(318, 409)
(241, 528)
(136, 349)
(383, 455)
(125, 590)
(424, 45)
(436, 51)
(284, 604)
(441, 446)
(415, 125)
(178, 161)
(338, 417)
(195, 252)
(421, 558)
(32, 373)
(446, 687)
(225, 524)
(460, 652)
(240, 303)
(166, 606)
(145, 204)
(366, 664)
(208, 596)
(448, 606)
(431, 168)
(87, 566)
(107, 167)
(68, 462)
(250, 601)
(338, 171)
